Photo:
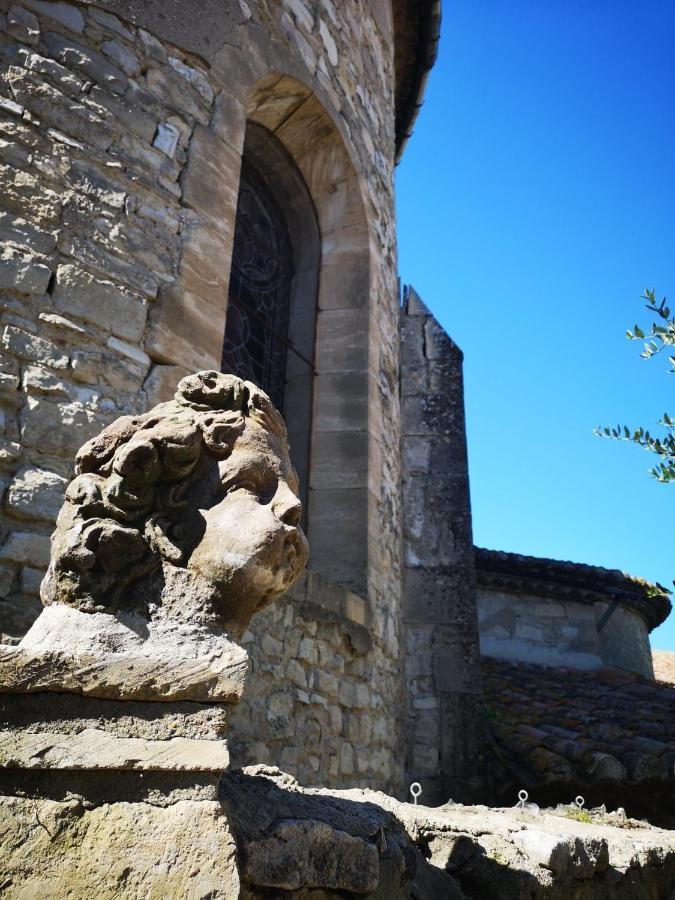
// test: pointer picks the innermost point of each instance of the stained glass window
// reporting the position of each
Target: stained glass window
(256, 332)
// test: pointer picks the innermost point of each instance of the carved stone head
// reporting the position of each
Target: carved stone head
(189, 512)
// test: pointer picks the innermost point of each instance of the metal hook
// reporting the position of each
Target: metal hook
(579, 801)
(416, 791)
(522, 799)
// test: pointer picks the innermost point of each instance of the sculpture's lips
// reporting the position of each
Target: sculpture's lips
(295, 549)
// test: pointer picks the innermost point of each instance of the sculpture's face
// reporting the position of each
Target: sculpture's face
(252, 546)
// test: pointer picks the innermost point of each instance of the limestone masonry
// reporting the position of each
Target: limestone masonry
(208, 187)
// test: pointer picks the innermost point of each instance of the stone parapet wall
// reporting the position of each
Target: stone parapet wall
(321, 697)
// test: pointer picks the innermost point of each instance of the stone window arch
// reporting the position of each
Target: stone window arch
(345, 450)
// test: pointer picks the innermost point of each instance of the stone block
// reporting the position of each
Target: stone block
(346, 758)
(79, 294)
(35, 349)
(129, 351)
(271, 647)
(87, 60)
(76, 120)
(9, 453)
(229, 120)
(138, 118)
(19, 231)
(23, 195)
(435, 414)
(425, 760)
(91, 254)
(112, 23)
(308, 651)
(345, 279)
(339, 459)
(7, 577)
(355, 608)
(36, 494)
(31, 579)
(181, 850)
(60, 428)
(23, 272)
(438, 344)
(176, 92)
(209, 178)
(341, 401)
(186, 330)
(127, 61)
(342, 336)
(194, 77)
(23, 25)
(166, 139)
(339, 512)
(65, 14)
(439, 597)
(296, 674)
(327, 684)
(91, 180)
(161, 383)
(153, 47)
(202, 272)
(26, 548)
(63, 78)
(412, 343)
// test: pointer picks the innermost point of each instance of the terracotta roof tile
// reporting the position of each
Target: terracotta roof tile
(562, 725)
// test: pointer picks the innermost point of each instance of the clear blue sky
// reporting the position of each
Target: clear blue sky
(536, 199)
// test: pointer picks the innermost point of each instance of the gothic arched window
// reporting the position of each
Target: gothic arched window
(271, 313)
(256, 334)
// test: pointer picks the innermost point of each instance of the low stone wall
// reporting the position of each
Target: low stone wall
(321, 695)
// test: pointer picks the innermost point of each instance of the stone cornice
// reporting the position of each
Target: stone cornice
(519, 574)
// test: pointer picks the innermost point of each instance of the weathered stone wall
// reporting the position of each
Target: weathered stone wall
(443, 692)
(538, 630)
(570, 633)
(122, 130)
(121, 162)
(624, 641)
(96, 121)
(316, 701)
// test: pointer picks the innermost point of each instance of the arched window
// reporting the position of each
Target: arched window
(271, 314)
(256, 334)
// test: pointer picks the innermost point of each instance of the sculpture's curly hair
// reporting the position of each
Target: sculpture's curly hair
(125, 511)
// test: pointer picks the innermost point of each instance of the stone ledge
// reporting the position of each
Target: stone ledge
(94, 749)
(97, 655)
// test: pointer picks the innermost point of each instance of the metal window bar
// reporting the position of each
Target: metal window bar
(235, 298)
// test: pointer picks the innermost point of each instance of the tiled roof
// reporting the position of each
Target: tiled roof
(664, 665)
(580, 730)
(515, 573)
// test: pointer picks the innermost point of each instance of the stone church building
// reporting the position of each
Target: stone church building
(209, 185)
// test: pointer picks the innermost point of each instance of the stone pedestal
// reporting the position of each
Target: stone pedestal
(112, 745)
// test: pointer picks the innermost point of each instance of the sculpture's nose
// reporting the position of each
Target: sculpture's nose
(286, 506)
